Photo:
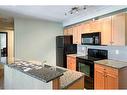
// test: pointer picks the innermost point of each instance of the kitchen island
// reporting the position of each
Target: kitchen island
(26, 75)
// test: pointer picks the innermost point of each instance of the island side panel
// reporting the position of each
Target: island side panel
(123, 78)
(56, 83)
(15, 79)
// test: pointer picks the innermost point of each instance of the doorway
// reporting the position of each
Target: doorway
(3, 47)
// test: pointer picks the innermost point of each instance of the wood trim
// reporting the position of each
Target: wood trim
(56, 84)
(123, 78)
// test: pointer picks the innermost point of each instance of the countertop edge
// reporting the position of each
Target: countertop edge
(72, 82)
(96, 62)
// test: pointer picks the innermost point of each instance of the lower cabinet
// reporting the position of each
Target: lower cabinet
(105, 77)
(71, 63)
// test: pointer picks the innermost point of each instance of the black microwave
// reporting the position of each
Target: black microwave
(91, 38)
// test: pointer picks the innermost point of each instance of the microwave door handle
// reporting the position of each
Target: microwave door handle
(82, 40)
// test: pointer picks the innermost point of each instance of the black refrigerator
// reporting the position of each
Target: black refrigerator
(64, 46)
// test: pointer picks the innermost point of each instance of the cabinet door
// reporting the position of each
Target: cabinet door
(111, 78)
(99, 77)
(65, 31)
(71, 63)
(68, 62)
(70, 31)
(106, 31)
(111, 81)
(75, 30)
(118, 29)
(95, 26)
(86, 28)
(79, 33)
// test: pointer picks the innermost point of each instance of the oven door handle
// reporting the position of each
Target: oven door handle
(79, 66)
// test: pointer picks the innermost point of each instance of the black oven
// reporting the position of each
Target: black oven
(85, 64)
(86, 67)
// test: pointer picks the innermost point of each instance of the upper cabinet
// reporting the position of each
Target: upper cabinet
(106, 32)
(77, 31)
(113, 30)
(68, 31)
(95, 26)
(86, 27)
(119, 32)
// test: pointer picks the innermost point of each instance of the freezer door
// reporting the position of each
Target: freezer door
(59, 42)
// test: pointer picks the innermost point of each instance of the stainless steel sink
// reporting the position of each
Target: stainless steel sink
(55, 68)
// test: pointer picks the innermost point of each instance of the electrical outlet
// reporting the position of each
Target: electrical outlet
(83, 48)
(117, 52)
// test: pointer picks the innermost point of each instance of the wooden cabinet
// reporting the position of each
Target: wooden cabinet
(75, 37)
(95, 26)
(99, 77)
(65, 31)
(92, 26)
(71, 63)
(105, 77)
(106, 33)
(113, 30)
(119, 31)
(68, 31)
(77, 31)
(86, 28)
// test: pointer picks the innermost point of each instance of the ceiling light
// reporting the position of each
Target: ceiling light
(75, 10)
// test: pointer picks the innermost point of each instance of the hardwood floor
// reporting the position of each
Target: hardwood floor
(1, 77)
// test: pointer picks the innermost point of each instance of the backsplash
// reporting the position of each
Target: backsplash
(114, 52)
(81, 50)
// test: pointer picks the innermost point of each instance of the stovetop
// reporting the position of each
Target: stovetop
(89, 58)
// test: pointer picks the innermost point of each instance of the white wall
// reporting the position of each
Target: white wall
(114, 52)
(35, 40)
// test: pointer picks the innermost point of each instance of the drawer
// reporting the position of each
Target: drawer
(107, 69)
(99, 67)
(111, 70)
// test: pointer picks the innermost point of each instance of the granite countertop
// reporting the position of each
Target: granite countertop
(40, 72)
(47, 73)
(112, 63)
(69, 77)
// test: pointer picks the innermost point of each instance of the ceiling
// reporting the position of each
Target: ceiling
(53, 13)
